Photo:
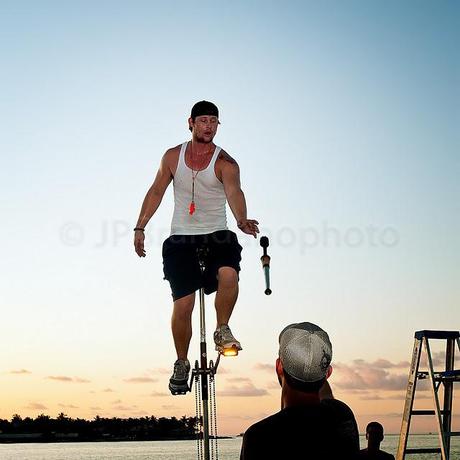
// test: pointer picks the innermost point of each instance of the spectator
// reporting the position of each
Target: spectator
(311, 423)
(374, 436)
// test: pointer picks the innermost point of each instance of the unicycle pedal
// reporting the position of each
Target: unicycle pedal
(231, 350)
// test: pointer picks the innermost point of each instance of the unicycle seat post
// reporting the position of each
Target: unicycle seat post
(203, 369)
(201, 254)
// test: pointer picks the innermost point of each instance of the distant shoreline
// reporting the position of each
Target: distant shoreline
(37, 438)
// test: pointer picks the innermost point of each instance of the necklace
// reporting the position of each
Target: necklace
(192, 207)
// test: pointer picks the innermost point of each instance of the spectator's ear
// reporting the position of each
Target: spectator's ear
(328, 372)
(279, 367)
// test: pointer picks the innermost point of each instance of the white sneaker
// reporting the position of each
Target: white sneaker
(224, 340)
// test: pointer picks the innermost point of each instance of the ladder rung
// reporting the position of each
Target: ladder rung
(428, 412)
(440, 376)
(424, 451)
(437, 334)
(455, 433)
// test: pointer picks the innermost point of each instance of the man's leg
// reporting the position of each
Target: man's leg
(181, 324)
(226, 295)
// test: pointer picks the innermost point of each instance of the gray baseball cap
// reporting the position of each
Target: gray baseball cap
(305, 351)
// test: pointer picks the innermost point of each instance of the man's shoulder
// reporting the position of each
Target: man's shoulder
(339, 407)
(265, 424)
(171, 156)
(363, 454)
(295, 413)
(173, 150)
(225, 158)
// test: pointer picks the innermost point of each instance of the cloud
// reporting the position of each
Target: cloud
(160, 370)
(95, 408)
(385, 364)
(169, 407)
(60, 378)
(238, 379)
(20, 371)
(362, 375)
(158, 394)
(265, 367)
(64, 378)
(439, 360)
(247, 389)
(68, 406)
(35, 405)
(108, 390)
(117, 401)
(124, 408)
(140, 380)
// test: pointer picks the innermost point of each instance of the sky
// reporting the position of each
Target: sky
(344, 119)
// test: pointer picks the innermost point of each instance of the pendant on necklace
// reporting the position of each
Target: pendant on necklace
(191, 209)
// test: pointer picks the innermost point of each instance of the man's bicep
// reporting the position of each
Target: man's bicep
(163, 177)
(231, 178)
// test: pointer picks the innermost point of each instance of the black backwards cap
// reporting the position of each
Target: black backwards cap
(204, 108)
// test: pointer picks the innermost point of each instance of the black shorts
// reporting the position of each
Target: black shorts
(181, 265)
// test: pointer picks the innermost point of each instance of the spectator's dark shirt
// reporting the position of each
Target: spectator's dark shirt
(380, 455)
(325, 431)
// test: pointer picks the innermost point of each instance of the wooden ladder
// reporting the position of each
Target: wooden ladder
(447, 377)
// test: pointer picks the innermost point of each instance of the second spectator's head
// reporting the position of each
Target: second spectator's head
(305, 354)
(374, 432)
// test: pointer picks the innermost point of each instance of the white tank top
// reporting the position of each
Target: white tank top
(210, 215)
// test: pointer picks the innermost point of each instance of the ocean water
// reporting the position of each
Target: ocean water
(229, 449)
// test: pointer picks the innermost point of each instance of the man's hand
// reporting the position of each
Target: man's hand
(249, 226)
(139, 243)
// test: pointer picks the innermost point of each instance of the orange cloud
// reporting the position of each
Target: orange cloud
(160, 370)
(238, 379)
(140, 380)
(20, 371)
(35, 405)
(125, 408)
(64, 378)
(247, 389)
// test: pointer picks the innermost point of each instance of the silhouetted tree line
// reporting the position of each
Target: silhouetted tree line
(64, 428)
